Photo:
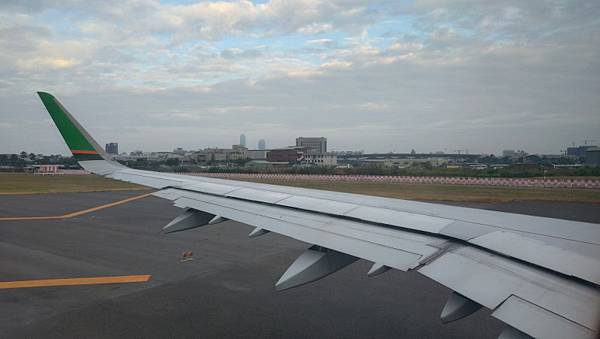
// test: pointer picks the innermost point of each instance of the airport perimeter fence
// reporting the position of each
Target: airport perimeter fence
(507, 182)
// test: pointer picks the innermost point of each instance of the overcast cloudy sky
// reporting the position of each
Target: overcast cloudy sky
(381, 75)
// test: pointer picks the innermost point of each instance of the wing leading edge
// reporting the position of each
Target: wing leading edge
(540, 276)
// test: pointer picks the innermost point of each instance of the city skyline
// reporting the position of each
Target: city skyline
(499, 153)
(375, 75)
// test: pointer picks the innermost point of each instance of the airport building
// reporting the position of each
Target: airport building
(322, 159)
(592, 156)
(408, 162)
(256, 154)
(236, 152)
(112, 148)
(288, 155)
(579, 151)
(312, 144)
(46, 169)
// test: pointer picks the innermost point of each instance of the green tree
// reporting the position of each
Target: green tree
(172, 162)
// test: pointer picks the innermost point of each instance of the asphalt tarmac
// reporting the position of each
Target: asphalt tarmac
(227, 291)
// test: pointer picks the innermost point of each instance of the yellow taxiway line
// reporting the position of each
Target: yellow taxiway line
(78, 213)
(74, 281)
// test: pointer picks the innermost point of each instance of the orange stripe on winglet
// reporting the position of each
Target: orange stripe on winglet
(82, 151)
(75, 281)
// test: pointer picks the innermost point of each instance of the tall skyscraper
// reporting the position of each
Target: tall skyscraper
(243, 139)
(112, 148)
(313, 145)
(262, 145)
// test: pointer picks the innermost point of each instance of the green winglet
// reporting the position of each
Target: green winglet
(77, 139)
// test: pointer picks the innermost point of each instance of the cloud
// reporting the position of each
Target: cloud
(323, 42)
(373, 75)
(45, 63)
(232, 53)
(315, 28)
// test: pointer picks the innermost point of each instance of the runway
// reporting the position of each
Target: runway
(227, 291)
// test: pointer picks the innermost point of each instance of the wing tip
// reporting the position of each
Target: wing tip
(44, 94)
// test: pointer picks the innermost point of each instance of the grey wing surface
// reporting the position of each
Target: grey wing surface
(540, 276)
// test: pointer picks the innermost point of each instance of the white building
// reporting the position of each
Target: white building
(46, 169)
(406, 162)
(320, 159)
(312, 144)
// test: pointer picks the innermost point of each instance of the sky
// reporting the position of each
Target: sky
(378, 76)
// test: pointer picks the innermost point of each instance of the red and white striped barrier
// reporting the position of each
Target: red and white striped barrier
(510, 182)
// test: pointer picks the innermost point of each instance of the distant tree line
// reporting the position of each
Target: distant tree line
(17, 162)
(419, 170)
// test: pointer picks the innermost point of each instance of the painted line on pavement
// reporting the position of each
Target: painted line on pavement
(78, 213)
(74, 281)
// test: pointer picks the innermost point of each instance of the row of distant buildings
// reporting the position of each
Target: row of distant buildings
(307, 151)
(588, 155)
(312, 151)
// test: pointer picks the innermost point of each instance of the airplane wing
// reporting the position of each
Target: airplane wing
(540, 276)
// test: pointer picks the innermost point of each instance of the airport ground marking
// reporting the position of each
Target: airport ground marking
(78, 213)
(75, 281)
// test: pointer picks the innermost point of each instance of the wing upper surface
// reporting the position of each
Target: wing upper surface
(518, 293)
(536, 240)
(468, 250)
